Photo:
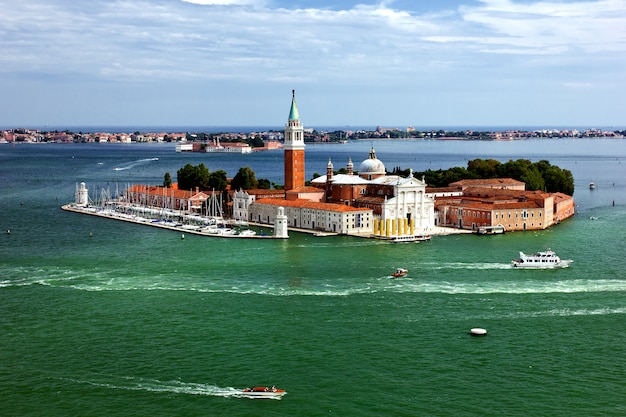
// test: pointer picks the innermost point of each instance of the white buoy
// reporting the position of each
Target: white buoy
(477, 331)
(182, 236)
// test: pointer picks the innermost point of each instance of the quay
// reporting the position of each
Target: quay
(194, 230)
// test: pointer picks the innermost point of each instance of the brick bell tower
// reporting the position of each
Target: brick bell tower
(294, 148)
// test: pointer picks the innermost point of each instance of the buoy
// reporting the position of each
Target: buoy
(90, 234)
(182, 236)
(9, 232)
(477, 331)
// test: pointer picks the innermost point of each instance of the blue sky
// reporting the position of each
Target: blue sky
(388, 63)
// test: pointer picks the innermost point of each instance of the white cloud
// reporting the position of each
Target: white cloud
(226, 2)
(552, 27)
(367, 47)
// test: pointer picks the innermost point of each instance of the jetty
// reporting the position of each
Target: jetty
(165, 218)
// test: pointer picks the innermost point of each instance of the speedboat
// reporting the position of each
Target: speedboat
(541, 260)
(400, 272)
(270, 393)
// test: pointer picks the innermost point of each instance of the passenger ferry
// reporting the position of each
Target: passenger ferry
(541, 260)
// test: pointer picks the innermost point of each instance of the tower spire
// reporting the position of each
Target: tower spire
(293, 112)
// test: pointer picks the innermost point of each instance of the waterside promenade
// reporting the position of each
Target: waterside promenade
(200, 228)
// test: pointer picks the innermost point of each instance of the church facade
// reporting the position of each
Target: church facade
(367, 202)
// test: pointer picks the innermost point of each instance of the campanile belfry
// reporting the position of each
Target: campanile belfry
(294, 148)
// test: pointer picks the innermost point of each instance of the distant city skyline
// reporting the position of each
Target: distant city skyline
(352, 63)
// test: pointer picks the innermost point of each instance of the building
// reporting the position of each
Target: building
(294, 148)
(369, 202)
(510, 209)
(170, 198)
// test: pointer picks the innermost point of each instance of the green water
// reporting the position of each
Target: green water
(134, 321)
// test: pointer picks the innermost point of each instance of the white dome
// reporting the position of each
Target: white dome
(372, 165)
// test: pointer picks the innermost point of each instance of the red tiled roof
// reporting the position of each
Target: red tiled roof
(305, 189)
(302, 203)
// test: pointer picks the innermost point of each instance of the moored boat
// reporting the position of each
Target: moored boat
(541, 260)
(271, 393)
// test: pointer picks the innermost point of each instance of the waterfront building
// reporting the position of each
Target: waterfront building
(511, 209)
(171, 198)
(369, 202)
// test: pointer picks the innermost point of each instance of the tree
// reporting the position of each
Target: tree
(522, 170)
(483, 168)
(217, 180)
(167, 180)
(190, 177)
(265, 184)
(245, 179)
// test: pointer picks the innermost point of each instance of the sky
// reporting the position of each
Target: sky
(369, 63)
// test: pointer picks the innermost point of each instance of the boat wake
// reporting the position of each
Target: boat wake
(417, 281)
(134, 164)
(464, 265)
(155, 385)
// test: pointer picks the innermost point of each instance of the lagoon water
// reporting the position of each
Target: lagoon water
(100, 317)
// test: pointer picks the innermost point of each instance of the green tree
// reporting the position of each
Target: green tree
(167, 180)
(217, 180)
(245, 179)
(190, 177)
(265, 184)
(483, 168)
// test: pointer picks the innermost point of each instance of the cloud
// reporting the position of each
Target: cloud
(227, 2)
(550, 27)
(378, 47)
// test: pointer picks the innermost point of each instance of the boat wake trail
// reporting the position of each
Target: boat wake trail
(134, 164)
(155, 385)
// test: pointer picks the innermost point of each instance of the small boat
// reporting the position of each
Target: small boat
(477, 331)
(541, 260)
(400, 272)
(270, 393)
(592, 185)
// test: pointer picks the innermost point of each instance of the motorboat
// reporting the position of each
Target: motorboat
(400, 272)
(478, 331)
(541, 260)
(270, 393)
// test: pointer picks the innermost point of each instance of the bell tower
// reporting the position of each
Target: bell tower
(294, 148)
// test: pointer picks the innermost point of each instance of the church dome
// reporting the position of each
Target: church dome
(372, 165)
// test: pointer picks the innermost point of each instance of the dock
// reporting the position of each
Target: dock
(182, 228)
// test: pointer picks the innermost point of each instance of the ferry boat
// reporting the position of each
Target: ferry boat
(403, 238)
(263, 393)
(541, 260)
(400, 272)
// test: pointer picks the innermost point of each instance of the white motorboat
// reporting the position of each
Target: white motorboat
(541, 260)
(263, 393)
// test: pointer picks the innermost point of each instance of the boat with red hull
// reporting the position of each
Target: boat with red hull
(270, 393)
